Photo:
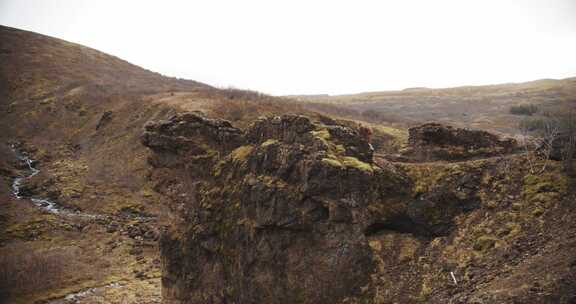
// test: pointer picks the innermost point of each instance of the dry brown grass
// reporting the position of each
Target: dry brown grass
(231, 93)
(35, 270)
(243, 106)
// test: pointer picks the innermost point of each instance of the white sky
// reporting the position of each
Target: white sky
(309, 47)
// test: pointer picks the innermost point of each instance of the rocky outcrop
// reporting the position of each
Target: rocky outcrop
(433, 141)
(291, 210)
(278, 213)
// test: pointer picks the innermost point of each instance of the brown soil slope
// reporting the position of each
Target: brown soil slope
(78, 112)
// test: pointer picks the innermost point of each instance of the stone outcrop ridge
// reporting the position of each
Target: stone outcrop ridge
(433, 141)
(280, 212)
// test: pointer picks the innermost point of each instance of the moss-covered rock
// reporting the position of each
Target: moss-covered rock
(291, 195)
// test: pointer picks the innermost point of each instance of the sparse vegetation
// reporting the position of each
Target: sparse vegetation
(34, 271)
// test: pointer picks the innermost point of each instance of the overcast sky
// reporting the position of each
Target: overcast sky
(308, 47)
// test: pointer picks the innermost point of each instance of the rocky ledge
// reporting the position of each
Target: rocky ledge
(433, 141)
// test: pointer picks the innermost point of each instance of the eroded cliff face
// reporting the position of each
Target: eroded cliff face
(278, 213)
(294, 211)
(275, 214)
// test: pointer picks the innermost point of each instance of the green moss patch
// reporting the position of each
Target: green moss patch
(544, 188)
(269, 142)
(333, 162)
(485, 243)
(353, 162)
(323, 134)
(241, 153)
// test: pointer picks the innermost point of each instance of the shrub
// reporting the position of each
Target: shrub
(534, 124)
(231, 93)
(524, 110)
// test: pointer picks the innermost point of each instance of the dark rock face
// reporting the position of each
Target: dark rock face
(276, 214)
(434, 141)
(432, 213)
(177, 134)
(104, 119)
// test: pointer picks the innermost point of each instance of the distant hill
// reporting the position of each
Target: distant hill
(481, 107)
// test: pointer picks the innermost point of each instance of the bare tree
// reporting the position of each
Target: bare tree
(554, 138)
(539, 147)
(550, 133)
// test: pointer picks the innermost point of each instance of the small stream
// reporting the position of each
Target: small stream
(46, 204)
(77, 296)
(43, 203)
(53, 207)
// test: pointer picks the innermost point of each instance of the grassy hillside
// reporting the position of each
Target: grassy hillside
(480, 107)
